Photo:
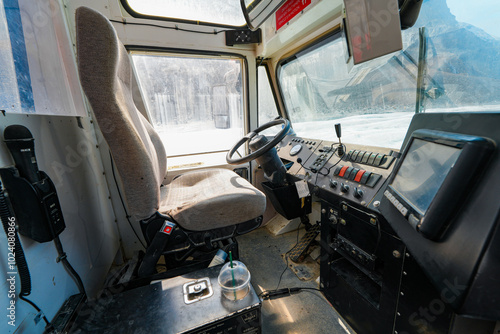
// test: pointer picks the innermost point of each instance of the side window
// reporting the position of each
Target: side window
(195, 104)
(267, 104)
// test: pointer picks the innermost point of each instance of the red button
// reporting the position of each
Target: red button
(342, 171)
(359, 175)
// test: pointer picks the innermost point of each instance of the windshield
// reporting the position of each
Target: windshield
(457, 50)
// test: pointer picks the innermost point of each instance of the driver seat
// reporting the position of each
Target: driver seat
(198, 211)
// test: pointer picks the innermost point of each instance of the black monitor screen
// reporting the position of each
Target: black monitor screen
(423, 171)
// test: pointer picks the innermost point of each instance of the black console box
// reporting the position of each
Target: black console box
(166, 307)
(286, 201)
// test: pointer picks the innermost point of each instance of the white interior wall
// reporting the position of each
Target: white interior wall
(69, 154)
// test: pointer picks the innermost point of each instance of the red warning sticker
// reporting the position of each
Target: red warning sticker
(289, 10)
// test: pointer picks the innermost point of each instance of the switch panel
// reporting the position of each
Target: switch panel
(379, 160)
(357, 176)
(325, 154)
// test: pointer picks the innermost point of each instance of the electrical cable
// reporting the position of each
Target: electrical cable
(215, 32)
(64, 259)
(277, 292)
(21, 263)
(306, 168)
(330, 168)
(123, 202)
(272, 294)
(281, 276)
(338, 161)
(313, 289)
(286, 258)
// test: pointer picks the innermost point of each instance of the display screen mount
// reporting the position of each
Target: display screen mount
(436, 172)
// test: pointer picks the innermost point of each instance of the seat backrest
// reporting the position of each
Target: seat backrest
(106, 77)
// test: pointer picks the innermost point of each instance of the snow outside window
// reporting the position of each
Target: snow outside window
(195, 105)
(215, 11)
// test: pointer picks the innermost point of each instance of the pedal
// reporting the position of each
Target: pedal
(298, 252)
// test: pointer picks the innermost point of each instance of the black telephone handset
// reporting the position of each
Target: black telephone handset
(33, 197)
(31, 191)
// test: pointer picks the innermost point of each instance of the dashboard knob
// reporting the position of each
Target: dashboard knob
(358, 193)
(344, 188)
(333, 183)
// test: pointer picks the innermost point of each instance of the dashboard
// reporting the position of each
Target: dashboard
(356, 176)
(399, 228)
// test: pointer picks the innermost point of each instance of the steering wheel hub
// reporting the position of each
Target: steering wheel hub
(256, 140)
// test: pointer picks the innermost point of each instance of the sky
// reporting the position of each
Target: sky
(484, 14)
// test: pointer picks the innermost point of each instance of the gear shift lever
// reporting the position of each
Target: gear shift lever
(338, 130)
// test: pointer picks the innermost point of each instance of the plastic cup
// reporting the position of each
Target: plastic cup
(235, 281)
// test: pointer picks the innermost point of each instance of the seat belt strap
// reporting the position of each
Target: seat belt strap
(155, 249)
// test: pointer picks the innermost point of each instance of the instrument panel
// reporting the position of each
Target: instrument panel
(357, 175)
(366, 229)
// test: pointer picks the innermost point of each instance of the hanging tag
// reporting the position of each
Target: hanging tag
(302, 188)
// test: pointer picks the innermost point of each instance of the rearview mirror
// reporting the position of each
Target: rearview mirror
(257, 11)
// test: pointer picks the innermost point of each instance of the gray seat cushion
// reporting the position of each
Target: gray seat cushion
(211, 198)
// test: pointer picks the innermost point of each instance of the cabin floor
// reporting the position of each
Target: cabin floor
(262, 252)
(305, 312)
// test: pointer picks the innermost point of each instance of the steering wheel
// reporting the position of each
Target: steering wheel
(254, 155)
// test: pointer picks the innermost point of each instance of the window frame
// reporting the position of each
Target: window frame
(265, 65)
(202, 54)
